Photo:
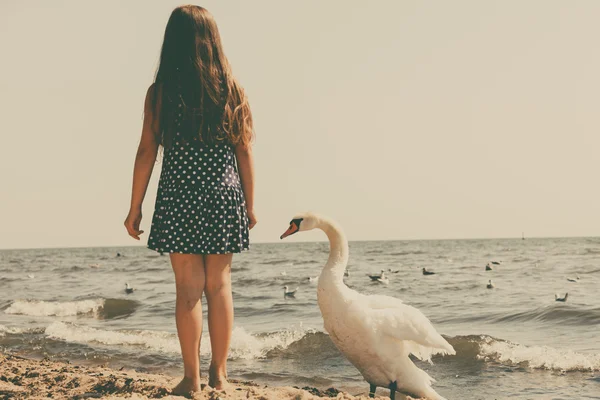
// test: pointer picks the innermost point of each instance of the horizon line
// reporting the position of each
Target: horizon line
(322, 241)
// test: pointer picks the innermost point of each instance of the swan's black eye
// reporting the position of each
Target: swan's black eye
(296, 221)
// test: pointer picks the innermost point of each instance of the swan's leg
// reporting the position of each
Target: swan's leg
(393, 387)
(372, 390)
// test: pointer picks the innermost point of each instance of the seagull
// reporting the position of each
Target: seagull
(311, 279)
(383, 279)
(576, 279)
(425, 272)
(394, 271)
(488, 267)
(377, 277)
(496, 262)
(490, 285)
(563, 299)
(128, 289)
(288, 293)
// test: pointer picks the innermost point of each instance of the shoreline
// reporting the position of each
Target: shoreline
(24, 378)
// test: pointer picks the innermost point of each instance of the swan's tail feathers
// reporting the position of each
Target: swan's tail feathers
(415, 380)
(421, 352)
(442, 345)
(432, 395)
(424, 353)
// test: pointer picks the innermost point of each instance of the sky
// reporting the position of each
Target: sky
(407, 119)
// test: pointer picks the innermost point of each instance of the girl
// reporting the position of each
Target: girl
(197, 111)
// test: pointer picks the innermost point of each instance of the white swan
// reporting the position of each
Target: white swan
(376, 333)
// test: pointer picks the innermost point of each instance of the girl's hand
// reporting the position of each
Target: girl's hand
(132, 223)
(251, 219)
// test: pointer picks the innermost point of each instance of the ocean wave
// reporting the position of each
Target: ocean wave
(37, 308)
(99, 308)
(243, 344)
(10, 330)
(537, 357)
(277, 262)
(311, 343)
(469, 349)
(314, 346)
(408, 252)
(163, 342)
(562, 313)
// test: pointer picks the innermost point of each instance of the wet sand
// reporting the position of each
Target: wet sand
(22, 378)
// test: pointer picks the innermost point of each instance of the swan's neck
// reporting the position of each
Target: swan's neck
(338, 250)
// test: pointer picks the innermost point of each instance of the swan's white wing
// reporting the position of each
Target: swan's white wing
(406, 323)
(378, 301)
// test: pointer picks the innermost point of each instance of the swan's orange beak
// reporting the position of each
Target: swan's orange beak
(290, 231)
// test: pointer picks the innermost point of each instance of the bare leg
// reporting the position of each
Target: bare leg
(220, 314)
(189, 283)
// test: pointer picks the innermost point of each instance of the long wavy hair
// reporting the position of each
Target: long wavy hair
(194, 72)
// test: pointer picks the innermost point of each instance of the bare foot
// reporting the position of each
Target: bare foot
(218, 383)
(217, 380)
(187, 387)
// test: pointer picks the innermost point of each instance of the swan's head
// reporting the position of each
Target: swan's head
(301, 222)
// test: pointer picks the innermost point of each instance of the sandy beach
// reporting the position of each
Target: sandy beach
(22, 378)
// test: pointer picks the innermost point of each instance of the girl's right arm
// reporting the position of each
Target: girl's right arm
(144, 164)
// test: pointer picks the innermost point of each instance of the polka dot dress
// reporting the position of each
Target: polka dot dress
(200, 206)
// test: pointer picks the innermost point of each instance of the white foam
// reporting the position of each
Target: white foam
(163, 342)
(54, 308)
(5, 329)
(243, 344)
(539, 357)
(246, 346)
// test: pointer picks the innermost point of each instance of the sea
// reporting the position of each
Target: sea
(512, 342)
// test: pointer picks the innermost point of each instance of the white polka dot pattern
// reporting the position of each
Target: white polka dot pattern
(200, 206)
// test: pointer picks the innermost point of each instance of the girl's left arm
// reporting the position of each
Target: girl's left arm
(245, 162)
(144, 164)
